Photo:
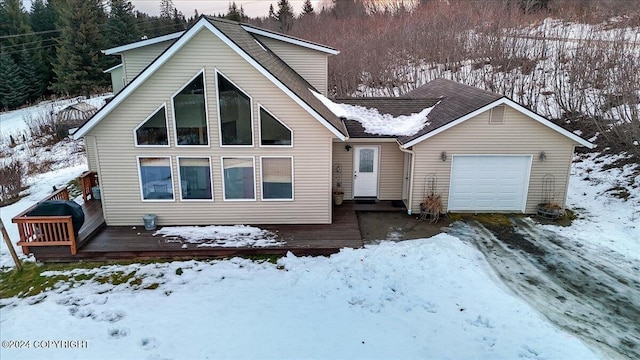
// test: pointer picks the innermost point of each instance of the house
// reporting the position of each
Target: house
(227, 123)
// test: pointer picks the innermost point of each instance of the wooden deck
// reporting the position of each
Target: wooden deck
(128, 242)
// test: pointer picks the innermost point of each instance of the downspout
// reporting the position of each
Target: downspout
(413, 159)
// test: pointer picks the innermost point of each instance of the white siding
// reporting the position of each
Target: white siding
(138, 59)
(310, 64)
(117, 82)
(390, 171)
(117, 154)
(517, 135)
(92, 152)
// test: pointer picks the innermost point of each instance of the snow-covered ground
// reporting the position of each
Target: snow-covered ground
(429, 298)
(13, 122)
(425, 298)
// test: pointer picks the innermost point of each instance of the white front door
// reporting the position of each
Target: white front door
(365, 171)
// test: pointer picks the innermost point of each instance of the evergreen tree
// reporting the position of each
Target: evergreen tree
(13, 91)
(166, 9)
(178, 20)
(33, 82)
(18, 43)
(14, 20)
(307, 8)
(192, 20)
(43, 21)
(79, 62)
(233, 13)
(243, 15)
(122, 26)
(272, 13)
(344, 9)
(284, 16)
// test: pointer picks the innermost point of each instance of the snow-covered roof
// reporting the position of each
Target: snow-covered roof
(375, 123)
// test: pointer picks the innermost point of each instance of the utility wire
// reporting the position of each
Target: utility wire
(28, 34)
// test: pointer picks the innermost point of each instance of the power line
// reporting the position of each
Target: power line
(28, 34)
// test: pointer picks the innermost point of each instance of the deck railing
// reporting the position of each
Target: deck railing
(88, 180)
(46, 230)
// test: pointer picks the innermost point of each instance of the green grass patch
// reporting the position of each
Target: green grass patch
(29, 281)
(273, 259)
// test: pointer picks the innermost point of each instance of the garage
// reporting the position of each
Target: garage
(489, 182)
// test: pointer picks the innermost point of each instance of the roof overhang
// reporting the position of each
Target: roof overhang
(112, 68)
(138, 44)
(203, 23)
(514, 105)
(290, 40)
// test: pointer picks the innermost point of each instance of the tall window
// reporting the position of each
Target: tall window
(153, 131)
(277, 178)
(195, 178)
(156, 181)
(272, 131)
(190, 113)
(235, 114)
(239, 179)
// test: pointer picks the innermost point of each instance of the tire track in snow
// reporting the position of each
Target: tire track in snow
(594, 295)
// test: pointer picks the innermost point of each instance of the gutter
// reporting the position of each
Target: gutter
(413, 162)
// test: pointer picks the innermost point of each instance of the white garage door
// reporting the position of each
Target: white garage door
(489, 183)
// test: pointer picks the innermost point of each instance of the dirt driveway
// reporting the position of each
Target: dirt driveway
(594, 295)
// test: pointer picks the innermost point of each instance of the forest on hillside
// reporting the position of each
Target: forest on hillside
(541, 53)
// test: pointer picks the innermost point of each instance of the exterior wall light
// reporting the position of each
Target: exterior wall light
(443, 156)
(542, 156)
(348, 147)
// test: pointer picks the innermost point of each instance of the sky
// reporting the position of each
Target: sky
(252, 8)
(210, 7)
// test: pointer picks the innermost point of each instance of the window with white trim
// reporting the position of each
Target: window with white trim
(238, 178)
(497, 115)
(153, 130)
(190, 114)
(156, 179)
(195, 178)
(272, 131)
(277, 178)
(235, 114)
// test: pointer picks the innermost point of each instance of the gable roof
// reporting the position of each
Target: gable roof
(459, 102)
(290, 39)
(112, 68)
(391, 106)
(249, 48)
(138, 44)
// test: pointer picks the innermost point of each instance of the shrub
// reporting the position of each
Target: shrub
(11, 182)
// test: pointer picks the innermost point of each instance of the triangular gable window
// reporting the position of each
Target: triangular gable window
(153, 131)
(272, 131)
